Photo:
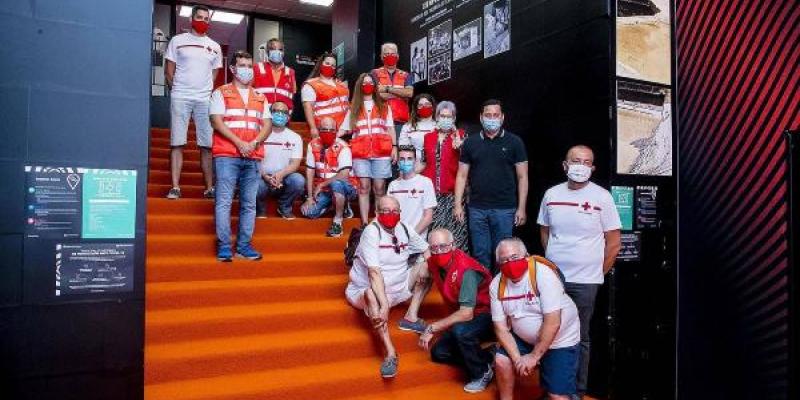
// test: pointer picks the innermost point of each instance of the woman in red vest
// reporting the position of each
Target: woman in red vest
(441, 151)
(373, 144)
(323, 95)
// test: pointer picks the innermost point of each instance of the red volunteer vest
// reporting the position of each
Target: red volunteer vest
(398, 105)
(331, 101)
(450, 286)
(264, 83)
(370, 137)
(328, 166)
(245, 121)
(449, 163)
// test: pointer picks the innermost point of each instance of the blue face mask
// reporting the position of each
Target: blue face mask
(280, 118)
(244, 74)
(491, 124)
(275, 56)
(405, 166)
(445, 123)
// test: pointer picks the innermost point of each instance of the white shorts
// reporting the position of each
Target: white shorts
(355, 296)
(180, 112)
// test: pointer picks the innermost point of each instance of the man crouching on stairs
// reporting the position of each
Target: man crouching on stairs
(381, 277)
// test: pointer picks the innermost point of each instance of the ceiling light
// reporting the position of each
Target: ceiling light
(325, 3)
(216, 16)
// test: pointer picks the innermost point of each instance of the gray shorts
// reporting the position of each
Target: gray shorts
(371, 168)
(180, 112)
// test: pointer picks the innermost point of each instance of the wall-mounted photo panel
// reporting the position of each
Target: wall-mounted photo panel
(467, 39)
(419, 60)
(439, 69)
(496, 27)
(439, 38)
(644, 129)
(643, 40)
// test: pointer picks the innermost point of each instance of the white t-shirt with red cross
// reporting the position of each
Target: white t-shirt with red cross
(415, 195)
(578, 221)
(281, 147)
(195, 58)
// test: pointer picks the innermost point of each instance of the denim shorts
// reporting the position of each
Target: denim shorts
(181, 110)
(558, 368)
(373, 168)
(325, 199)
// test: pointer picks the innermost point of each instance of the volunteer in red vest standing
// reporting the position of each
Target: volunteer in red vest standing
(464, 285)
(394, 85)
(274, 79)
(329, 177)
(323, 95)
(192, 62)
(242, 120)
(374, 143)
(535, 321)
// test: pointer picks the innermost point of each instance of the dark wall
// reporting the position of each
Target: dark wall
(74, 92)
(354, 24)
(738, 75)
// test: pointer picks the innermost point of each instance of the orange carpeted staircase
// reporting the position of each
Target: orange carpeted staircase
(278, 328)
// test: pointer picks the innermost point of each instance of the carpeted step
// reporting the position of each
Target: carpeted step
(163, 177)
(189, 153)
(338, 380)
(182, 267)
(271, 241)
(204, 222)
(162, 164)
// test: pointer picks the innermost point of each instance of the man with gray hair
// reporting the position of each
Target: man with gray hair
(464, 285)
(395, 86)
(536, 323)
(381, 278)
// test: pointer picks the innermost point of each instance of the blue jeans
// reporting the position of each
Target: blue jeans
(461, 345)
(487, 227)
(229, 172)
(583, 294)
(556, 368)
(325, 199)
(293, 186)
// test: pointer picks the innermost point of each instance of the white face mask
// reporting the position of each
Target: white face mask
(244, 74)
(579, 173)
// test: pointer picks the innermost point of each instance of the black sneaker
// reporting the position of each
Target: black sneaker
(348, 211)
(174, 193)
(335, 230)
(288, 215)
(209, 193)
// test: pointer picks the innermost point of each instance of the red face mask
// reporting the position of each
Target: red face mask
(390, 60)
(327, 138)
(367, 88)
(440, 260)
(514, 269)
(200, 26)
(327, 70)
(389, 220)
(425, 111)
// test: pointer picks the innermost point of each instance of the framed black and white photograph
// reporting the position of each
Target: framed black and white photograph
(644, 129)
(467, 39)
(439, 38)
(496, 27)
(439, 68)
(419, 60)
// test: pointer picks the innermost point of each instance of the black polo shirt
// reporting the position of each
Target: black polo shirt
(492, 172)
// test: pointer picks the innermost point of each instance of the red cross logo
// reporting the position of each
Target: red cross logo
(586, 206)
(287, 145)
(413, 191)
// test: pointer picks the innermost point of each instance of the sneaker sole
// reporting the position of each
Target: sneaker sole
(474, 391)
(403, 328)
(389, 376)
(224, 259)
(248, 258)
(334, 235)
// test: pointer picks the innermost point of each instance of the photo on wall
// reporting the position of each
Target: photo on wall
(496, 27)
(439, 68)
(467, 39)
(419, 60)
(643, 40)
(644, 129)
(439, 38)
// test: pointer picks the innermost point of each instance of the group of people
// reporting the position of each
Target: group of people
(426, 230)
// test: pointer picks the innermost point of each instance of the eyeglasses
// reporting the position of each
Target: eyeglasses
(396, 245)
(513, 257)
(440, 248)
(388, 211)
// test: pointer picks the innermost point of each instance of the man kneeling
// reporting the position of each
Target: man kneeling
(464, 285)
(544, 329)
(381, 278)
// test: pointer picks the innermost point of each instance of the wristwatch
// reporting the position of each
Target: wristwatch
(429, 329)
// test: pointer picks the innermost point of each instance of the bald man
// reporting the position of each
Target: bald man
(580, 232)
(464, 285)
(381, 278)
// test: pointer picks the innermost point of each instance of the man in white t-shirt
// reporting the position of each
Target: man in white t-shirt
(283, 152)
(580, 232)
(535, 321)
(192, 62)
(414, 192)
(381, 278)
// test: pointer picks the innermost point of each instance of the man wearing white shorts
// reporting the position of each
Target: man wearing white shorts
(193, 60)
(381, 277)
